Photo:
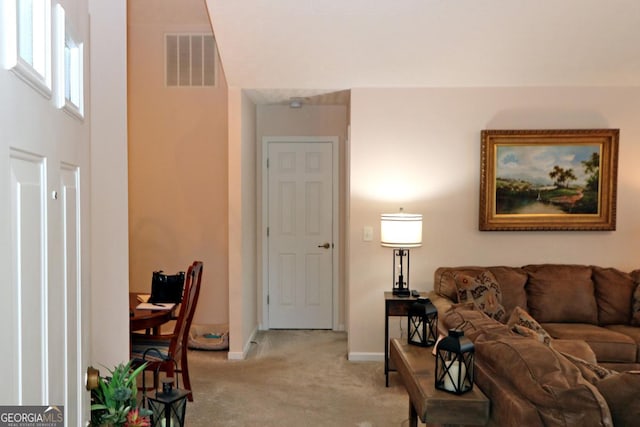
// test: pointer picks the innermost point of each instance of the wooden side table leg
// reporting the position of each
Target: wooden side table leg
(386, 345)
(413, 415)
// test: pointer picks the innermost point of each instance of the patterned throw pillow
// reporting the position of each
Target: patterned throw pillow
(483, 290)
(522, 323)
(635, 308)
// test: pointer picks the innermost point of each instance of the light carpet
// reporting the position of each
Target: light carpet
(290, 379)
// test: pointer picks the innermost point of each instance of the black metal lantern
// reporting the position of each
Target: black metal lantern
(422, 323)
(454, 363)
(169, 407)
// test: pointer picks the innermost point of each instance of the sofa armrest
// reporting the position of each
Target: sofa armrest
(442, 304)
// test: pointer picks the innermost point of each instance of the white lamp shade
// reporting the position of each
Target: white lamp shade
(401, 230)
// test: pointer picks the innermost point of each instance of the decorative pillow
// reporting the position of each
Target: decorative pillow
(526, 332)
(522, 323)
(483, 290)
(635, 308)
(592, 372)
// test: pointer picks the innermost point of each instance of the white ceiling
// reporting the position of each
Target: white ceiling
(285, 48)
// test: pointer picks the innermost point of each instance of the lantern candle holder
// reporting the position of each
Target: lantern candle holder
(168, 407)
(422, 323)
(454, 363)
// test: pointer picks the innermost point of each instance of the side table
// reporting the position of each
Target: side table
(416, 367)
(394, 306)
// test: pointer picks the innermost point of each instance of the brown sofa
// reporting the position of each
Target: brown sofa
(575, 302)
(587, 310)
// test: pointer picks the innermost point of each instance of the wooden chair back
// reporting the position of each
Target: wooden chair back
(187, 309)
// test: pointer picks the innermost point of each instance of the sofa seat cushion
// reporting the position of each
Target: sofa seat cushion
(607, 344)
(545, 378)
(561, 293)
(614, 290)
(631, 331)
(512, 281)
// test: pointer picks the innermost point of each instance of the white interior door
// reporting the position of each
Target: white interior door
(300, 234)
(44, 162)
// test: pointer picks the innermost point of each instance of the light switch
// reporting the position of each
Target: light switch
(367, 233)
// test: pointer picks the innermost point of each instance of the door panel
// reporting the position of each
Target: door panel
(300, 218)
(70, 178)
(28, 282)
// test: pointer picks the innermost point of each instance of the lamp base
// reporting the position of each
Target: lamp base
(402, 292)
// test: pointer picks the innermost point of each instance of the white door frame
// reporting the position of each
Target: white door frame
(335, 214)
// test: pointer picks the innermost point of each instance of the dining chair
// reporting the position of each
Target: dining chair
(168, 352)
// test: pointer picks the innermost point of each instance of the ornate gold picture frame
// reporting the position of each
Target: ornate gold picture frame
(548, 179)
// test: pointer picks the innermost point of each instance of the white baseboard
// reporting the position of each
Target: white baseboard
(241, 355)
(235, 355)
(357, 356)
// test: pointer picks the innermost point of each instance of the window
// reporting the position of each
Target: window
(26, 26)
(190, 60)
(69, 67)
(73, 72)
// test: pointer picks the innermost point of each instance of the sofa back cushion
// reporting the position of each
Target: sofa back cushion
(561, 293)
(512, 281)
(635, 307)
(614, 291)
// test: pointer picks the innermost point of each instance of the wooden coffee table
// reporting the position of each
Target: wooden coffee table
(416, 366)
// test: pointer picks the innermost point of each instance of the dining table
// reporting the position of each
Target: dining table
(149, 320)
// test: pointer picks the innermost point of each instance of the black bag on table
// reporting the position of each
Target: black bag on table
(166, 287)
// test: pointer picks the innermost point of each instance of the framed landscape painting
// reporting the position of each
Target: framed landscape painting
(548, 179)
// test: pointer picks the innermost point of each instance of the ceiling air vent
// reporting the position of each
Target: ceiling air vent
(190, 60)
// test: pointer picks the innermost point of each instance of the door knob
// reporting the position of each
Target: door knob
(326, 245)
(92, 378)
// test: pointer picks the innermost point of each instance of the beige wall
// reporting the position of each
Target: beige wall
(242, 223)
(420, 149)
(310, 120)
(177, 160)
(249, 218)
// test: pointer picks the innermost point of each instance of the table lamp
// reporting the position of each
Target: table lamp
(401, 231)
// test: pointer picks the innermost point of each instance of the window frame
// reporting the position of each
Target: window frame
(70, 75)
(39, 79)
